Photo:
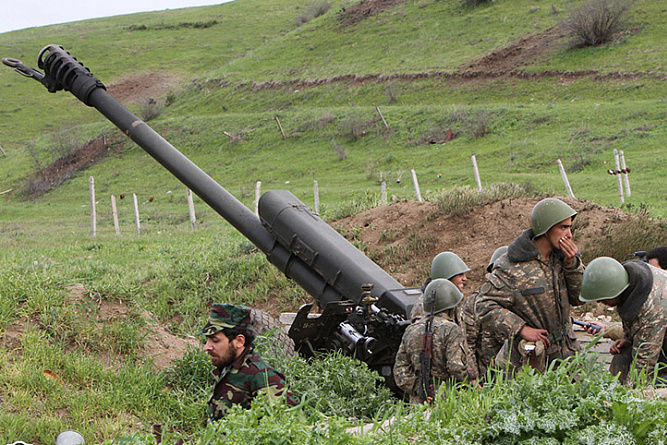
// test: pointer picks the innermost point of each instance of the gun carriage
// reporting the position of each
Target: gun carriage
(364, 310)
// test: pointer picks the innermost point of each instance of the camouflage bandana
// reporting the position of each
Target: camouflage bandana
(226, 316)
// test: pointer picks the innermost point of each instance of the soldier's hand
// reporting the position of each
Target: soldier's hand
(535, 335)
(593, 331)
(570, 250)
(618, 345)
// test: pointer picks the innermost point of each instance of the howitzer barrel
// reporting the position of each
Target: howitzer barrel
(295, 240)
(343, 266)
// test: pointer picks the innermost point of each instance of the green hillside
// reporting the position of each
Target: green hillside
(222, 74)
(500, 78)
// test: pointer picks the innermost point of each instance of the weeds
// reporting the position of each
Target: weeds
(354, 128)
(192, 373)
(475, 124)
(622, 239)
(150, 109)
(597, 21)
(312, 11)
(461, 200)
(358, 203)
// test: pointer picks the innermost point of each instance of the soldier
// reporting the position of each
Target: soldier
(445, 265)
(450, 354)
(240, 373)
(657, 257)
(639, 293)
(482, 341)
(527, 296)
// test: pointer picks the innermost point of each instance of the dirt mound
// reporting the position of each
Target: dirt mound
(97, 319)
(524, 52)
(356, 13)
(404, 237)
(63, 168)
(138, 88)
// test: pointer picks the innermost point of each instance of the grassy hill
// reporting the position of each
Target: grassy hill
(419, 62)
(501, 77)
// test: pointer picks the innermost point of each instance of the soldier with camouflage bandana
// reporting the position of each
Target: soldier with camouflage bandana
(528, 295)
(451, 358)
(639, 293)
(240, 373)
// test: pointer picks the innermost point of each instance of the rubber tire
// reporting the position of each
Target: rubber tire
(262, 322)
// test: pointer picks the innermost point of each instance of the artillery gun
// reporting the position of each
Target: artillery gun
(364, 311)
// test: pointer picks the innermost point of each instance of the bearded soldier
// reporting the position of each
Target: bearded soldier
(240, 373)
(528, 295)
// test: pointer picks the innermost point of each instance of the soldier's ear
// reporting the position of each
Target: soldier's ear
(239, 341)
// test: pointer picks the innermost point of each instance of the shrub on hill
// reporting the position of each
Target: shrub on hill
(597, 21)
(313, 10)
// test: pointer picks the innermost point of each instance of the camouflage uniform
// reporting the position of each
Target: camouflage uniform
(464, 316)
(417, 310)
(481, 340)
(242, 381)
(524, 289)
(248, 375)
(451, 356)
(643, 310)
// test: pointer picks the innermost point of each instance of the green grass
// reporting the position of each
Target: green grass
(233, 68)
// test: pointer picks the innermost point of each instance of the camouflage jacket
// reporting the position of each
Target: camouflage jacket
(648, 328)
(451, 356)
(483, 342)
(524, 289)
(242, 381)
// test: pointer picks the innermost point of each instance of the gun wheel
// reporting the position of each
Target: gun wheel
(263, 323)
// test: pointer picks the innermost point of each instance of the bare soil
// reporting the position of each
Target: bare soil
(474, 236)
(358, 12)
(159, 347)
(138, 88)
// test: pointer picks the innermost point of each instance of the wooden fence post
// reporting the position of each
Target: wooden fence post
(475, 171)
(281, 128)
(565, 180)
(93, 216)
(383, 193)
(136, 213)
(258, 193)
(416, 183)
(382, 117)
(625, 171)
(316, 192)
(114, 212)
(618, 176)
(191, 208)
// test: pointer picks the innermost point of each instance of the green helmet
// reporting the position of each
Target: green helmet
(547, 213)
(498, 252)
(447, 265)
(441, 294)
(604, 278)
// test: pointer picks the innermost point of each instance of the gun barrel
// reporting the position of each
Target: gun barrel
(293, 238)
